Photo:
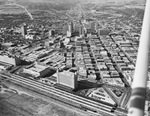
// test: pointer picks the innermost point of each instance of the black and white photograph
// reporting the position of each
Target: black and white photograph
(74, 58)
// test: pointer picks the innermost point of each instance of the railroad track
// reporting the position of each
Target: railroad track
(84, 103)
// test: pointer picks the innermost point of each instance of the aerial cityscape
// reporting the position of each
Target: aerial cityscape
(69, 57)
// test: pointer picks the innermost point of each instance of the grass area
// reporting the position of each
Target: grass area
(25, 104)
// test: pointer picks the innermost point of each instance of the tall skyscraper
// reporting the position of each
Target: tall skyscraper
(93, 27)
(70, 29)
(76, 28)
(24, 30)
(51, 33)
(65, 29)
(81, 31)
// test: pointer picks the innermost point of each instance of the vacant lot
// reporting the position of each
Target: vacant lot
(17, 103)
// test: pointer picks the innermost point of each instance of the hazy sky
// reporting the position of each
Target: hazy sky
(63, 1)
(86, 0)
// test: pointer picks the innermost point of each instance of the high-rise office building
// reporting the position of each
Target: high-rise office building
(81, 31)
(68, 79)
(51, 33)
(93, 26)
(24, 30)
(64, 29)
(70, 29)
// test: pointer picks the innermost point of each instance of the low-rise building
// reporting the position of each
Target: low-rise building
(4, 66)
(114, 81)
(31, 37)
(10, 60)
(103, 32)
(37, 70)
(82, 71)
(101, 95)
(118, 82)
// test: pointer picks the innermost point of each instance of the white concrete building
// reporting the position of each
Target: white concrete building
(68, 79)
(10, 60)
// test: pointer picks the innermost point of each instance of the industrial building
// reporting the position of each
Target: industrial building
(36, 70)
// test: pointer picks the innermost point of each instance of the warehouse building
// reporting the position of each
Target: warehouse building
(37, 70)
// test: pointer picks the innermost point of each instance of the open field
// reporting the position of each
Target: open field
(25, 103)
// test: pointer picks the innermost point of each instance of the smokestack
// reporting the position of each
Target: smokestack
(137, 99)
